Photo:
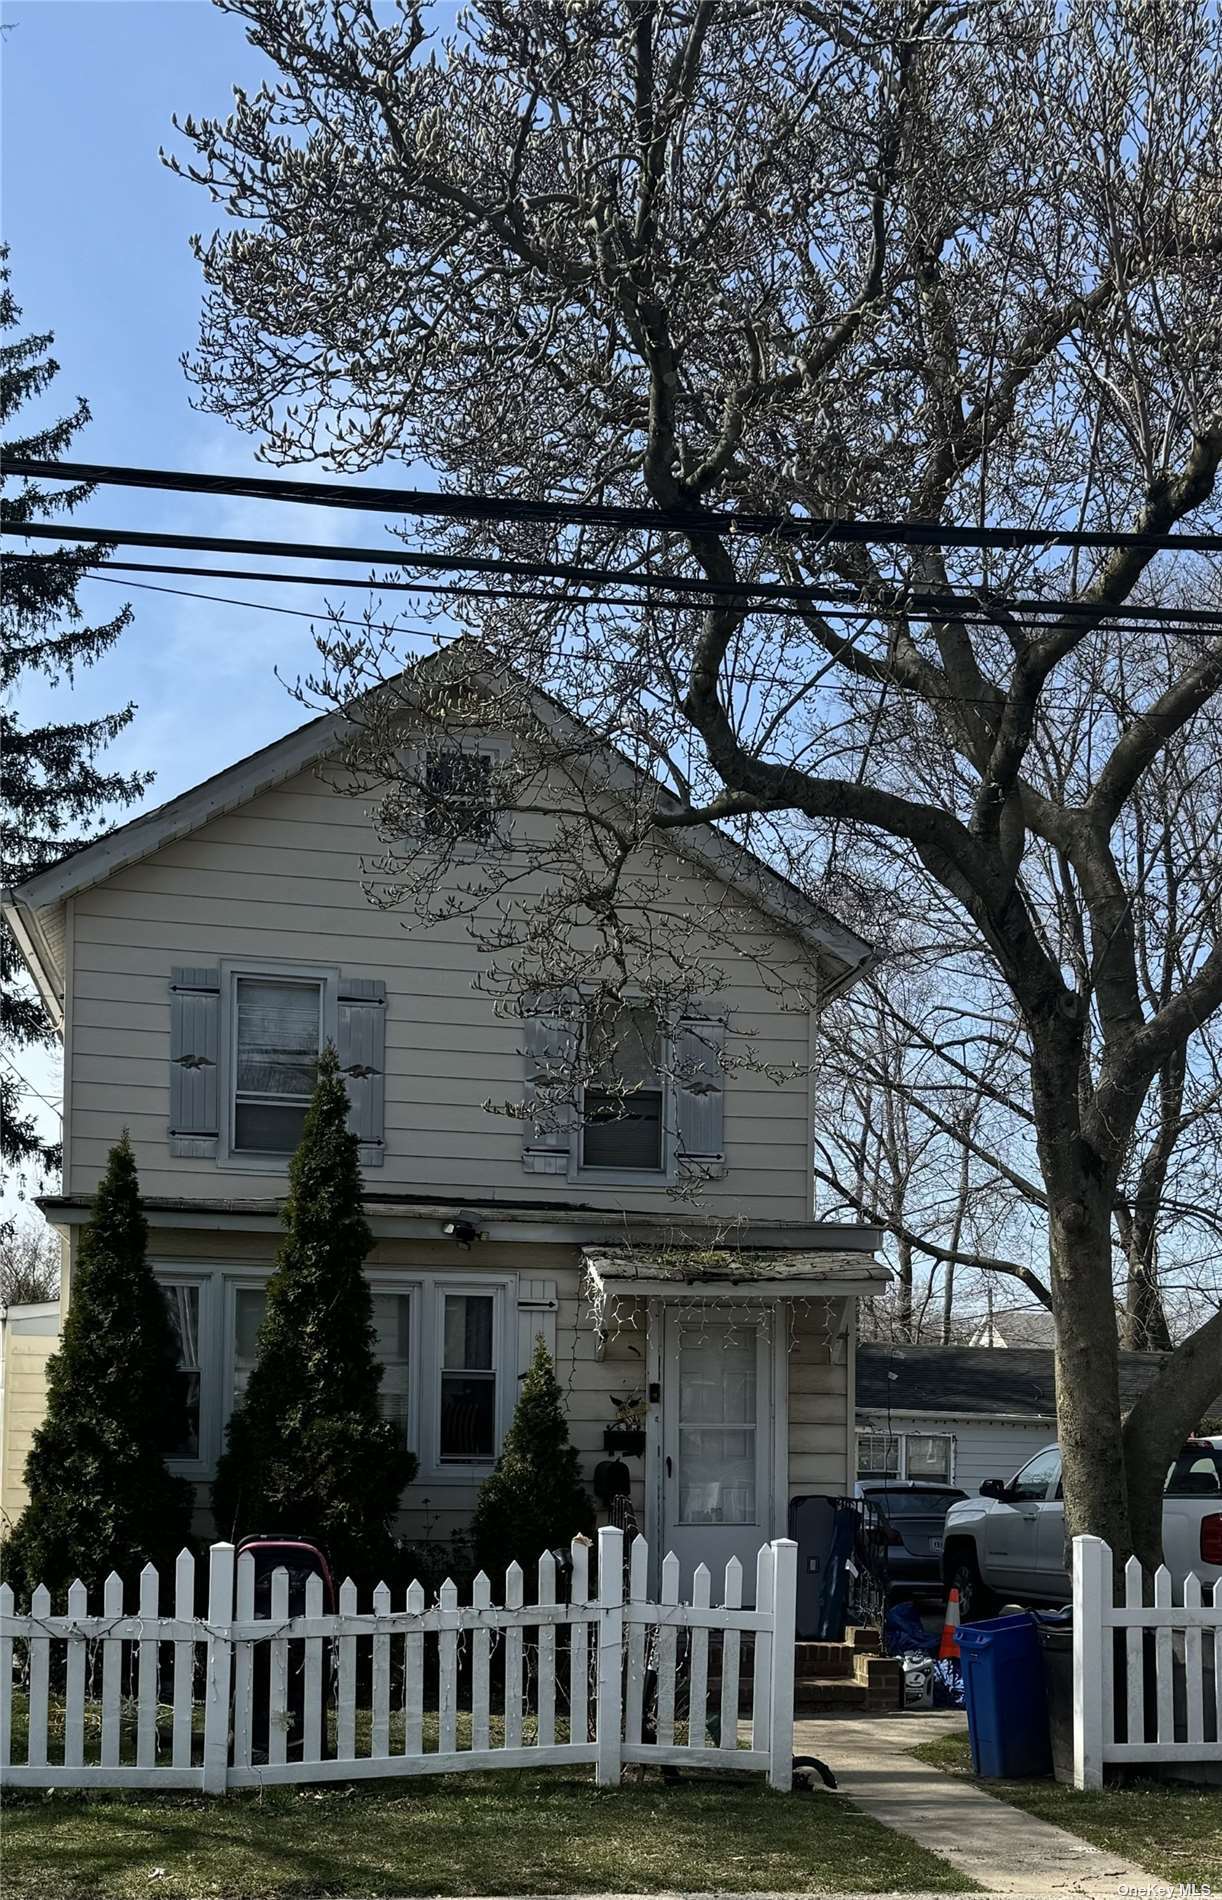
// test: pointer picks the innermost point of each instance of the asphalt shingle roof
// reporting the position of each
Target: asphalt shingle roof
(976, 1379)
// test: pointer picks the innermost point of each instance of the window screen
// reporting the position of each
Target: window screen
(278, 1037)
(249, 1306)
(468, 1376)
(392, 1342)
(622, 1121)
(182, 1303)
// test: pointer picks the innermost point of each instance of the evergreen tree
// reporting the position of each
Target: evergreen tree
(534, 1500)
(101, 1497)
(50, 782)
(308, 1450)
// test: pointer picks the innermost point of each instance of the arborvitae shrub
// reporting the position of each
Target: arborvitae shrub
(101, 1495)
(308, 1452)
(534, 1500)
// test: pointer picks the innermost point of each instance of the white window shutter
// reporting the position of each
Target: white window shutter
(537, 1308)
(699, 1089)
(360, 1040)
(195, 1048)
(551, 1059)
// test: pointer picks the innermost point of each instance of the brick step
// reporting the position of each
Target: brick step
(823, 1659)
(812, 1693)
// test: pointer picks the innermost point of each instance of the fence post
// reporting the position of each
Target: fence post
(219, 1664)
(784, 1622)
(1092, 1595)
(609, 1706)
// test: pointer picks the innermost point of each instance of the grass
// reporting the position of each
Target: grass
(508, 1833)
(1171, 1831)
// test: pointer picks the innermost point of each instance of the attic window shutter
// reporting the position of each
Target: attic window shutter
(195, 1044)
(550, 1025)
(361, 1047)
(700, 1089)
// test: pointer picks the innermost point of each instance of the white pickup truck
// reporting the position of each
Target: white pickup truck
(1010, 1541)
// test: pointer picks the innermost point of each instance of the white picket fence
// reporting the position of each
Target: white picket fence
(1174, 1650)
(602, 1681)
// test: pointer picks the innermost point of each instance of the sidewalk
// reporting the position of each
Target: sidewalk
(1008, 1853)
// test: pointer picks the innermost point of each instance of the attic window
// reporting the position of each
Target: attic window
(458, 802)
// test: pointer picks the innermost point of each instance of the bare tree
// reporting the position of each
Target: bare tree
(29, 1262)
(907, 259)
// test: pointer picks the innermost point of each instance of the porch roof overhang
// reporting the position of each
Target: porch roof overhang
(746, 1273)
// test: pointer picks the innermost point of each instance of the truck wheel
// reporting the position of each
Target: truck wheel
(963, 1574)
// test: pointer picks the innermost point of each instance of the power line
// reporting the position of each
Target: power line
(482, 507)
(915, 604)
(433, 633)
(1122, 622)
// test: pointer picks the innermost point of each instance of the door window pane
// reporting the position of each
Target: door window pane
(468, 1377)
(278, 1037)
(182, 1303)
(717, 1427)
(623, 1099)
(392, 1314)
(929, 1455)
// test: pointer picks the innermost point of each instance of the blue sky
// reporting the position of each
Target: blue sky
(98, 231)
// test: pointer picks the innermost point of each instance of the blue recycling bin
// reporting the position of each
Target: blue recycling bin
(1007, 1706)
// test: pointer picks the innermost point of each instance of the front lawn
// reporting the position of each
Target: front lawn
(509, 1833)
(1171, 1831)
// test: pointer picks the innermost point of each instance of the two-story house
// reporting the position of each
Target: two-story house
(196, 960)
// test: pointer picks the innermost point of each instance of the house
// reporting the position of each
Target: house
(29, 1332)
(197, 958)
(961, 1414)
(1008, 1326)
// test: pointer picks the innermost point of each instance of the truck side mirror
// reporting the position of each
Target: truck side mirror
(993, 1488)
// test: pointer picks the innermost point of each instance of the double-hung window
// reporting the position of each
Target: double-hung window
(278, 1035)
(878, 1455)
(623, 1102)
(467, 1428)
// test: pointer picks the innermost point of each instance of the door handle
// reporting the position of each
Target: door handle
(669, 1468)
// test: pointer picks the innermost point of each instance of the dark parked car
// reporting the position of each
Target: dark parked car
(914, 1515)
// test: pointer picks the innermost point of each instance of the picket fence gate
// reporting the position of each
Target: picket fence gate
(1163, 1675)
(614, 1663)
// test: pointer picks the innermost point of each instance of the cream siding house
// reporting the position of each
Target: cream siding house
(197, 958)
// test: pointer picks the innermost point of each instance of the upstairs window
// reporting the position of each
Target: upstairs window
(278, 1035)
(622, 1105)
(458, 801)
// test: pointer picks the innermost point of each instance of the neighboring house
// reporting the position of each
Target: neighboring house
(1010, 1326)
(29, 1334)
(960, 1413)
(195, 961)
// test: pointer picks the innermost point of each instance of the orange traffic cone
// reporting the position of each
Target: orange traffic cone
(948, 1648)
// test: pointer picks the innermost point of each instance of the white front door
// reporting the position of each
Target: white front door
(716, 1443)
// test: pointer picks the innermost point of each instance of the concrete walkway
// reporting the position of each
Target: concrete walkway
(1007, 1852)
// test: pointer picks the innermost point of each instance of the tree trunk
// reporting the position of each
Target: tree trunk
(1188, 1385)
(1087, 1364)
(1145, 1321)
(903, 1297)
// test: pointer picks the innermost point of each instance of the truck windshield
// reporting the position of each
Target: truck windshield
(1196, 1473)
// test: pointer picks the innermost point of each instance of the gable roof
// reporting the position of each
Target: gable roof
(976, 1381)
(1016, 1326)
(34, 909)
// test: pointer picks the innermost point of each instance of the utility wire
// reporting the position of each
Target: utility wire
(914, 603)
(969, 611)
(439, 634)
(481, 507)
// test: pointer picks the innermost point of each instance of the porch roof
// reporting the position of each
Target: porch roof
(743, 1272)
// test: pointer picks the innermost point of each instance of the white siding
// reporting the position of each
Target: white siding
(983, 1448)
(280, 879)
